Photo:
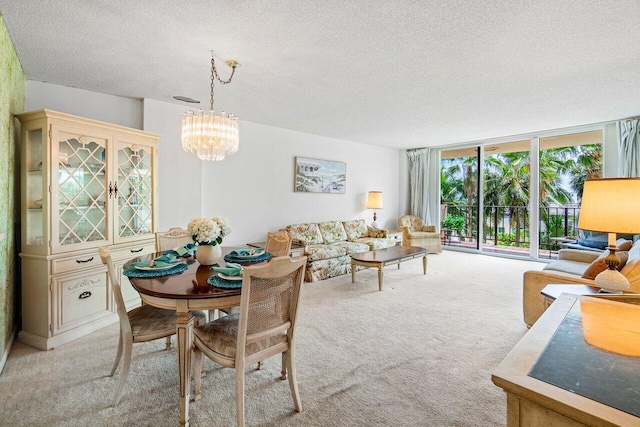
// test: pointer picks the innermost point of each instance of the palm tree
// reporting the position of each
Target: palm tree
(588, 165)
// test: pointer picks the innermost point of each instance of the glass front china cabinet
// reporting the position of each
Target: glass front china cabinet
(85, 184)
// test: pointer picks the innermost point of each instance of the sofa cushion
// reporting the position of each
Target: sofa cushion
(422, 234)
(376, 233)
(305, 234)
(351, 247)
(326, 268)
(599, 265)
(632, 268)
(321, 251)
(355, 229)
(377, 243)
(567, 266)
(332, 231)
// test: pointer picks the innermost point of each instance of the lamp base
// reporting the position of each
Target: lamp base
(611, 281)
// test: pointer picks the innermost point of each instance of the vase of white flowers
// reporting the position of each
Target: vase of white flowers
(207, 233)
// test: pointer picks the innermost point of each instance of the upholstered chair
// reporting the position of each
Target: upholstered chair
(416, 233)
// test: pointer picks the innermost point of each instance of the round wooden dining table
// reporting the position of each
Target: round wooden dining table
(184, 292)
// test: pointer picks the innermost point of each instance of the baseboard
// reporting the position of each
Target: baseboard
(5, 355)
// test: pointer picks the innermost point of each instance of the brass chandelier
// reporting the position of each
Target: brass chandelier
(211, 136)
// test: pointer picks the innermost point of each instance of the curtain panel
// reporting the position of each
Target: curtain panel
(419, 164)
(629, 148)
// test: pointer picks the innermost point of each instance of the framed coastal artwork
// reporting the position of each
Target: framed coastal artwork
(320, 176)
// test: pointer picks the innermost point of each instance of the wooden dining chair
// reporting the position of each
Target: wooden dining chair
(144, 323)
(173, 238)
(278, 244)
(264, 327)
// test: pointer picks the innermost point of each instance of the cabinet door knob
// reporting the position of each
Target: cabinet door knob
(133, 251)
(110, 189)
(82, 261)
(84, 295)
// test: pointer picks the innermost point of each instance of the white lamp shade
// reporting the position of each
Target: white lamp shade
(374, 200)
(611, 205)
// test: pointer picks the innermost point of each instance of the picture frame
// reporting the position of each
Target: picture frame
(320, 176)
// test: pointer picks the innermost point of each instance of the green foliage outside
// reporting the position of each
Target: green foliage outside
(507, 189)
(454, 222)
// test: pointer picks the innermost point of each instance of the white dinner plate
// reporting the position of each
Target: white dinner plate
(254, 255)
(233, 278)
(166, 267)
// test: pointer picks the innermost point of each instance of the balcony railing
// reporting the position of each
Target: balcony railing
(507, 227)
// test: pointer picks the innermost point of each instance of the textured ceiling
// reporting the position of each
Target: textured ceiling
(399, 74)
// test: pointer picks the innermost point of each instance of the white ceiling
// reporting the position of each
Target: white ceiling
(400, 74)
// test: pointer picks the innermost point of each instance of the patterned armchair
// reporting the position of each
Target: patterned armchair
(415, 233)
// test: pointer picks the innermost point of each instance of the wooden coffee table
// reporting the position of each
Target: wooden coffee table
(380, 258)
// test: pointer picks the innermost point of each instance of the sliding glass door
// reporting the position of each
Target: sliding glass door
(517, 198)
(565, 163)
(506, 198)
(459, 172)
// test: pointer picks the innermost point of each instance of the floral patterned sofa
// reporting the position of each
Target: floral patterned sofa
(329, 244)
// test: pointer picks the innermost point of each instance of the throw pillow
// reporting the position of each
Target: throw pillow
(624, 244)
(599, 265)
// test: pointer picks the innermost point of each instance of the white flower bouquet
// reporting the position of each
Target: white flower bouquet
(208, 231)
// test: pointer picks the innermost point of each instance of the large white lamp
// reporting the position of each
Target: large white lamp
(611, 205)
(374, 201)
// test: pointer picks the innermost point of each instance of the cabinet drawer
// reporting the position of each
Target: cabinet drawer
(133, 251)
(81, 298)
(63, 265)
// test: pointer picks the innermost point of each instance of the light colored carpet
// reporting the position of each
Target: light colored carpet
(419, 353)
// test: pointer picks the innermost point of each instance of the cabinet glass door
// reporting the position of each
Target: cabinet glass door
(35, 183)
(79, 170)
(135, 197)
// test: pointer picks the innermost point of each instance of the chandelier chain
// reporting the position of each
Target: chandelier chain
(214, 76)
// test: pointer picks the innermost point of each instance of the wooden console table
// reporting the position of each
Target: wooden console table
(531, 402)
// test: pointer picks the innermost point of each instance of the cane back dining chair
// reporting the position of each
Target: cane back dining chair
(278, 244)
(173, 238)
(264, 327)
(141, 324)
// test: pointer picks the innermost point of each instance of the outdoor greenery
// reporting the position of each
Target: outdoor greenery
(454, 222)
(563, 172)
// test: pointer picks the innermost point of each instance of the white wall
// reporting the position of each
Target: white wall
(92, 105)
(253, 188)
(180, 173)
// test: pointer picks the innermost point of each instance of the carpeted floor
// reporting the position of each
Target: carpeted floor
(419, 353)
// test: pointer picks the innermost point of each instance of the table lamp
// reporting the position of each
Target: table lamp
(374, 201)
(611, 205)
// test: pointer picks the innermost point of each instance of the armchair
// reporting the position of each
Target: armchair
(416, 233)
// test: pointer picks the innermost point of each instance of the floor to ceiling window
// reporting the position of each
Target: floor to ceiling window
(509, 179)
(506, 177)
(565, 163)
(459, 172)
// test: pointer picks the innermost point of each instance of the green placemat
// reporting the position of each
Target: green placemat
(134, 272)
(219, 282)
